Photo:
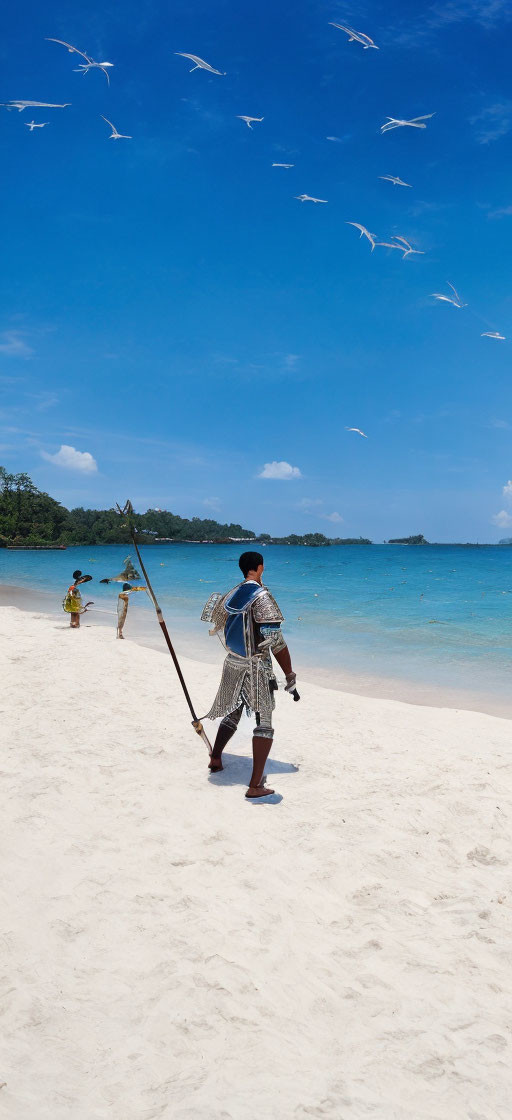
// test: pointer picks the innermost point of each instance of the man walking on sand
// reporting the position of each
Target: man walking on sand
(248, 621)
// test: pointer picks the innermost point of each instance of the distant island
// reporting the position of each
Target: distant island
(30, 518)
(314, 540)
(418, 539)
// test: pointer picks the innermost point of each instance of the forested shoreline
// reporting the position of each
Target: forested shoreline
(30, 517)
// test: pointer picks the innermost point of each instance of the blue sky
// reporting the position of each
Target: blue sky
(170, 310)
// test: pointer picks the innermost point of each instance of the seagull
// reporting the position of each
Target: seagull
(21, 105)
(365, 232)
(388, 245)
(356, 36)
(406, 247)
(283, 165)
(32, 124)
(358, 430)
(248, 120)
(395, 180)
(414, 123)
(89, 63)
(200, 64)
(115, 135)
(457, 302)
(493, 334)
(309, 198)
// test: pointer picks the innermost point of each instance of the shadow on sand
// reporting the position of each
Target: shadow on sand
(237, 772)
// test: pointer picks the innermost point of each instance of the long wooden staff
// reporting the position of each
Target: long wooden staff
(127, 512)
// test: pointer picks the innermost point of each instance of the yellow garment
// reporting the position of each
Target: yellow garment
(72, 602)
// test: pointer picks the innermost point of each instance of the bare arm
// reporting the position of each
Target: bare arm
(283, 659)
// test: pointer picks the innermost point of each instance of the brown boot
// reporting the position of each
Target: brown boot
(260, 752)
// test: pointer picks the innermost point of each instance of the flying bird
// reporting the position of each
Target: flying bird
(309, 198)
(358, 430)
(356, 36)
(395, 180)
(414, 123)
(89, 64)
(21, 105)
(457, 302)
(364, 232)
(248, 120)
(115, 135)
(200, 64)
(32, 124)
(406, 247)
(493, 334)
(283, 165)
(389, 245)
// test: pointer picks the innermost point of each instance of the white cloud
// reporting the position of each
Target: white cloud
(501, 212)
(493, 122)
(507, 489)
(282, 471)
(484, 12)
(311, 506)
(72, 460)
(13, 344)
(43, 400)
(225, 360)
(308, 503)
(502, 519)
(212, 503)
(290, 360)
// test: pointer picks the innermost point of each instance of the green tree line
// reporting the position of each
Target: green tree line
(30, 516)
(314, 540)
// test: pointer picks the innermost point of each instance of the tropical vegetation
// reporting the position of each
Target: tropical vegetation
(29, 516)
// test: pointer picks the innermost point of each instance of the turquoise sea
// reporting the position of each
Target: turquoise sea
(431, 624)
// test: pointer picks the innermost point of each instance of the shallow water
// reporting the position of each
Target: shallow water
(432, 618)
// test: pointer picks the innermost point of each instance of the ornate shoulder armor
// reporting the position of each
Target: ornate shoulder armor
(215, 612)
(210, 605)
(265, 609)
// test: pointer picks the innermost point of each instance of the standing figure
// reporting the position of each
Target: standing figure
(248, 621)
(122, 605)
(72, 601)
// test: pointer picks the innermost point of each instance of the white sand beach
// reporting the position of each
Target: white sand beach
(172, 950)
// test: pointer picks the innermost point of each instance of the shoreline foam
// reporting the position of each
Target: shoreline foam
(142, 629)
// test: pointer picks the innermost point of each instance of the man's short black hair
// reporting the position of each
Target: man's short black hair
(249, 561)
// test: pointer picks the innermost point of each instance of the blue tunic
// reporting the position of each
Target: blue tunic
(236, 607)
